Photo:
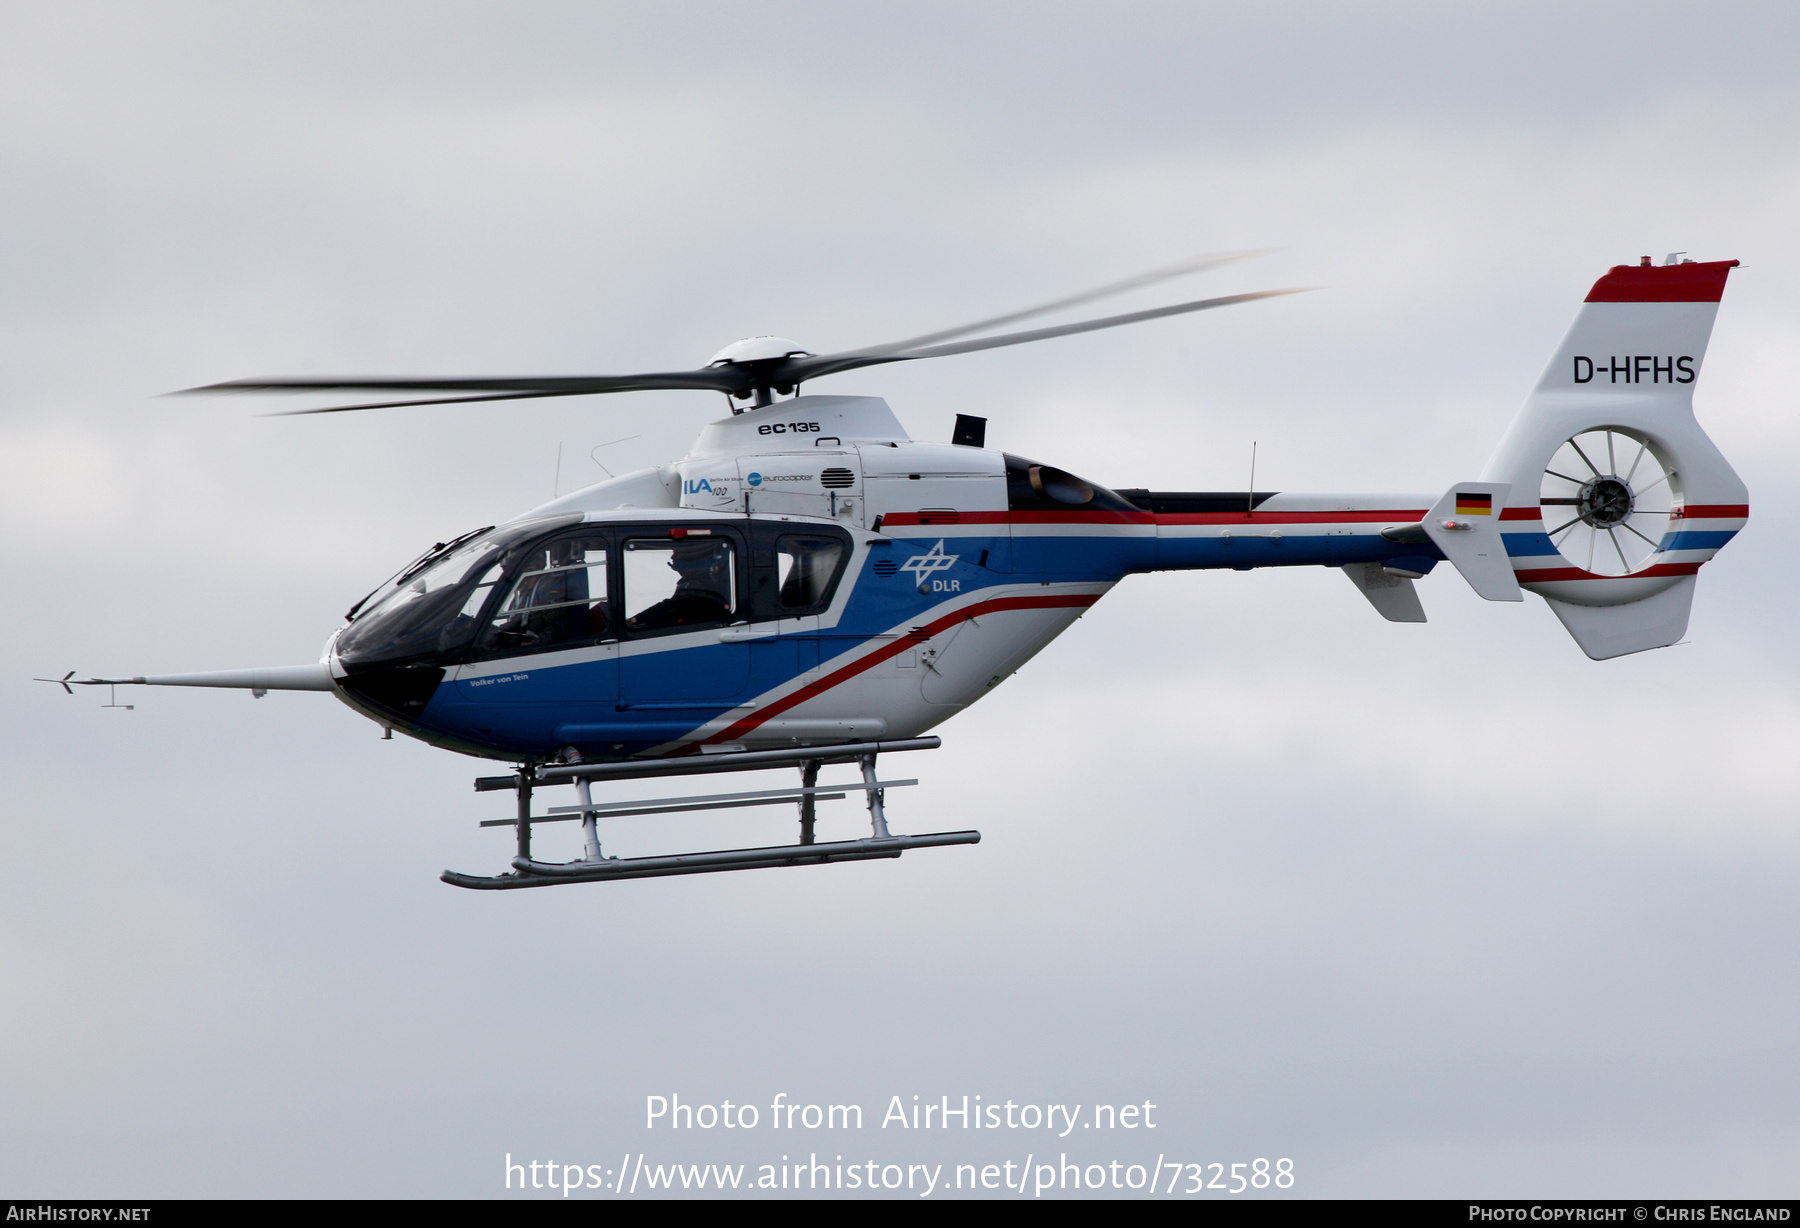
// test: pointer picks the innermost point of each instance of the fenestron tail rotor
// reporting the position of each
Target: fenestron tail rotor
(745, 372)
(1606, 500)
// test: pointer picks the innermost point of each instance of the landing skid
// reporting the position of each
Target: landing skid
(594, 866)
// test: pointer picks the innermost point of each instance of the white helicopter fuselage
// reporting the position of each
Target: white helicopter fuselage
(949, 582)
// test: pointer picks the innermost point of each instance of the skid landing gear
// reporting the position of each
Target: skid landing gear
(594, 866)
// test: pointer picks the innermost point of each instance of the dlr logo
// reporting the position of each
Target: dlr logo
(946, 586)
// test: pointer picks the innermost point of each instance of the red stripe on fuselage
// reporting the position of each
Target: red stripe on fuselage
(907, 518)
(1540, 574)
(1384, 516)
(889, 651)
(1697, 511)
(1381, 515)
(1712, 511)
(1098, 517)
(1694, 511)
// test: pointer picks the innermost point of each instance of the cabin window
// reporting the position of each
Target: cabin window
(679, 582)
(805, 567)
(559, 598)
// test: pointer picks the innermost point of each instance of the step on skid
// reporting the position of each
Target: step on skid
(594, 866)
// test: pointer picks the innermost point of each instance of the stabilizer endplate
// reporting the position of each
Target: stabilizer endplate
(1393, 597)
(1614, 631)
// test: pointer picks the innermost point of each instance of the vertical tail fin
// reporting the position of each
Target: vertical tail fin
(1617, 495)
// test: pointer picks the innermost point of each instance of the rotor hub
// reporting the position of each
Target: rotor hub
(759, 349)
(1604, 502)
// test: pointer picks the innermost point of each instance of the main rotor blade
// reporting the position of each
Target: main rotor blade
(1198, 264)
(799, 369)
(711, 379)
(342, 409)
(741, 379)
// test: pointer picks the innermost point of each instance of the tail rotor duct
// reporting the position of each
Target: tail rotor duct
(1606, 498)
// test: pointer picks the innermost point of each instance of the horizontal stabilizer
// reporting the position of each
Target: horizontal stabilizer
(1393, 597)
(1465, 525)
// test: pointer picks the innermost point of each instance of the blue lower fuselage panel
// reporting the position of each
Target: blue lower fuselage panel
(623, 705)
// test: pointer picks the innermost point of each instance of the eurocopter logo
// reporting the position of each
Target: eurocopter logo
(924, 566)
(757, 479)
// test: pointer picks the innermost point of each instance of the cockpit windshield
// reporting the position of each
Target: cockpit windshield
(433, 606)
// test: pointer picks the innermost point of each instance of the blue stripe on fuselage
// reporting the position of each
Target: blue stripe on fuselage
(1528, 545)
(1696, 539)
(1297, 550)
(1525, 545)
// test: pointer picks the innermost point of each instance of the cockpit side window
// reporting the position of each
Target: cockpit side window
(558, 599)
(679, 582)
(805, 567)
(432, 610)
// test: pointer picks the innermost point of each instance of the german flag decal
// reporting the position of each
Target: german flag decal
(1474, 505)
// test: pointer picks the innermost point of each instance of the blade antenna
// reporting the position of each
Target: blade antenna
(609, 443)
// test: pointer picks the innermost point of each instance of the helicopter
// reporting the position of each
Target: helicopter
(811, 586)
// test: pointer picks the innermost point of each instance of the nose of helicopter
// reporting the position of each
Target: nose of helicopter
(394, 694)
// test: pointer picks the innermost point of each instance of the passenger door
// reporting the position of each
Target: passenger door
(681, 590)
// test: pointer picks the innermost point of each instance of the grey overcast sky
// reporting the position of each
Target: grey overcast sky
(1431, 910)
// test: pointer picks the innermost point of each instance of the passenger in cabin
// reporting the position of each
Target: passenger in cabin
(704, 583)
